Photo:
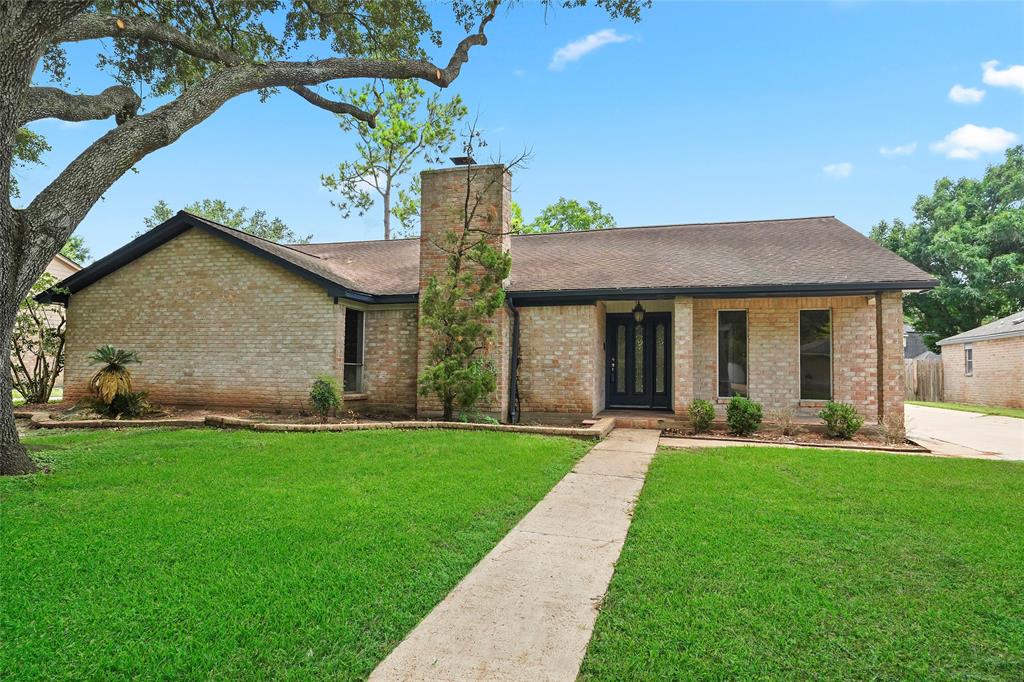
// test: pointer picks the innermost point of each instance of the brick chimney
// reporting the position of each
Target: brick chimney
(442, 209)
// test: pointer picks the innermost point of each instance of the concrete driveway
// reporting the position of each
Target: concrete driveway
(966, 434)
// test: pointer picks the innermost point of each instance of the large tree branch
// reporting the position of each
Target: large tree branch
(91, 26)
(370, 118)
(61, 206)
(119, 101)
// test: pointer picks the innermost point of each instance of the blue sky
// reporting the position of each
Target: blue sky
(701, 112)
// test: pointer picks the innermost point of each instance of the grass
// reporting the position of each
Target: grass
(239, 555)
(55, 397)
(980, 409)
(762, 563)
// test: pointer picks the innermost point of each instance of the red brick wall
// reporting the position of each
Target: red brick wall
(998, 376)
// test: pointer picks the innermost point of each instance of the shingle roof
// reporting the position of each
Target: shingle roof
(377, 267)
(799, 255)
(1011, 325)
(773, 253)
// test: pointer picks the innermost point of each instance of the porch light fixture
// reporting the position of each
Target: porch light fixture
(638, 312)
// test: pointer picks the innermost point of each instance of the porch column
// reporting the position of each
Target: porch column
(889, 345)
(682, 354)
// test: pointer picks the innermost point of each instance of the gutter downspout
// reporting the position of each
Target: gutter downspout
(513, 366)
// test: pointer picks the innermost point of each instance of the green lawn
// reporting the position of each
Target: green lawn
(239, 555)
(980, 409)
(56, 396)
(752, 563)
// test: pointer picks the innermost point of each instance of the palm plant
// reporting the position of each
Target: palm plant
(114, 378)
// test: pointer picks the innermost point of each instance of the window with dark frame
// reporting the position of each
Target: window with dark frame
(732, 353)
(968, 361)
(353, 351)
(815, 355)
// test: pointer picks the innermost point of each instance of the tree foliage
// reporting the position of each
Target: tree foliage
(75, 249)
(568, 215)
(256, 223)
(410, 127)
(969, 234)
(29, 148)
(36, 356)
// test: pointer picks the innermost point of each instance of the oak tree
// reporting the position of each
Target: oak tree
(192, 58)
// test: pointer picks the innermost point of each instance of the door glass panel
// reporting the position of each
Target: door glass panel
(638, 359)
(620, 359)
(659, 358)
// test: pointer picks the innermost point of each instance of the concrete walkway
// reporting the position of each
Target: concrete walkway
(527, 610)
(966, 434)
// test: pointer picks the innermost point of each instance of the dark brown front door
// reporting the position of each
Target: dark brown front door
(638, 356)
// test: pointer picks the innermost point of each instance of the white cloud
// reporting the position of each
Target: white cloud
(1010, 77)
(962, 95)
(838, 170)
(971, 141)
(74, 124)
(578, 48)
(899, 150)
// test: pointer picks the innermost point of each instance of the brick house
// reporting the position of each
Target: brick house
(789, 312)
(985, 365)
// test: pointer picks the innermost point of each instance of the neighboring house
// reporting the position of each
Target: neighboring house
(62, 267)
(985, 366)
(789, 312)
(913, 343)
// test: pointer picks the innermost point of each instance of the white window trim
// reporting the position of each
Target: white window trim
(831, 358)
(968, 364)
(718, 349)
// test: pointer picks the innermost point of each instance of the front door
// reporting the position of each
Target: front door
(638, 356)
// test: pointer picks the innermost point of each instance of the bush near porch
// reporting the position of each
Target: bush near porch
(242, 555)
(757, 563)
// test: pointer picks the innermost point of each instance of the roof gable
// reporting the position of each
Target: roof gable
(769, 257)
(305, 265)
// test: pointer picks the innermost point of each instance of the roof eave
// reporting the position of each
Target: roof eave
(172, 228)
(956, 340)
(754, 291)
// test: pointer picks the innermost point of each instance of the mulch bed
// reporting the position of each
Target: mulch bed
(811, 438)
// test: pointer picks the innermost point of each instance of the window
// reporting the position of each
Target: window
(353, 351)
(638, 359)
(968, 361)
(659, 358)
(815, 355)
(732, 353)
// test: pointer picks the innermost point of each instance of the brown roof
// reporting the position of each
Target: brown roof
(801, 252)
(800, 255)
(375, 267)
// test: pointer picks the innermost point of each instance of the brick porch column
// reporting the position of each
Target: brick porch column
(889, 339)
(682, 354)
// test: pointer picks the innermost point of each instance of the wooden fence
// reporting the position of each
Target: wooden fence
(924, 379)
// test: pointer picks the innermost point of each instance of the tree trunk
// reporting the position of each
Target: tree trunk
(387, 211)
(447, 409)
(14, 457)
